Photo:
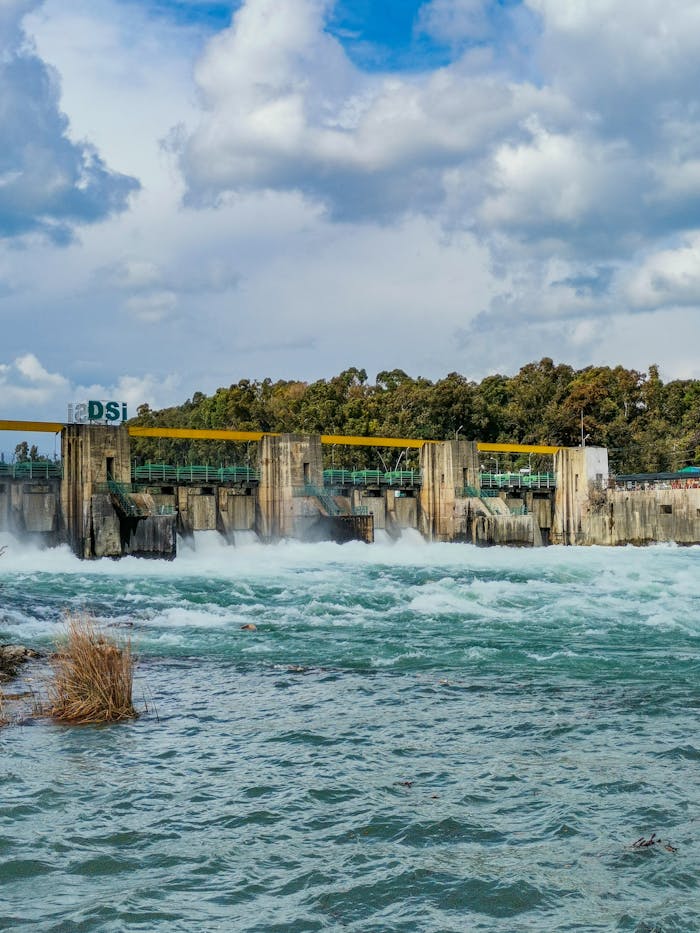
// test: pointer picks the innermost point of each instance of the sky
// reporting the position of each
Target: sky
(194, 192)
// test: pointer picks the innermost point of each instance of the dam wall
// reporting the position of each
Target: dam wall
(103, 507)
(642, 516)
(31, 507)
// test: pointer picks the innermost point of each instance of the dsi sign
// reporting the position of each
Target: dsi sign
(97, 412)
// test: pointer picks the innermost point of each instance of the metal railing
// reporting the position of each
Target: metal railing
(193, 474)
(325, 496)
(120, 492)
(320, 493)
(32, 469)
(517, 480)
(339, 478)
(403, 478)
(123, 491)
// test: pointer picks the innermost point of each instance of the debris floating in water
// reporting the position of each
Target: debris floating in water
(653, 840)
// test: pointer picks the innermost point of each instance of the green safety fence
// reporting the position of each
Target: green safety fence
(367, 477)
(403, 478)
(337, 477)
(192, 474)
(32, 469)
(518, 480)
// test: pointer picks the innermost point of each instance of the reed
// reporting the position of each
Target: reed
(92, 675)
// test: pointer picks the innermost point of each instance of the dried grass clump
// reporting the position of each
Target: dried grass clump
(93, 676)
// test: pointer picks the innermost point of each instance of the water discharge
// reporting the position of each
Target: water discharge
(414, 738)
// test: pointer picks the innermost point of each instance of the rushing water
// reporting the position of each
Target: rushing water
(416, 738)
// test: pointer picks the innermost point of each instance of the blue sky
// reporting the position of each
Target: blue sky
(195, 193)
(377, 34)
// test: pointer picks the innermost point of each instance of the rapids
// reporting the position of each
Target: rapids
(415, 738)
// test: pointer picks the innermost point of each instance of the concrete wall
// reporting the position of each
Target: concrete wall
(446, 467)
(31, 507)
(286, 463)
(88, 452)
(375, 505)
(580, 472)
(642, 516)
(236, 510)
(505, 529)
(196, 507)
(401, 512)
(154, 536)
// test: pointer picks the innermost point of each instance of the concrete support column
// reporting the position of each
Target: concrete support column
(89, 453)
(446, 467)
(578, 470)
(287, 462)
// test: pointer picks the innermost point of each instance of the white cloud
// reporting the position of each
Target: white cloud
(152, 307)
(30, 391)
(462, 218)
(32, 370)
(667, 278)
(284, 108)
(48, 183)
(25, 383)
(452, 21)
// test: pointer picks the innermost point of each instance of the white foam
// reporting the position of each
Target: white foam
(245, 539)
(381, 537)
(207, 541)
(411, 536)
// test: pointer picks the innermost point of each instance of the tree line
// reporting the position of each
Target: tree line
(646, 424)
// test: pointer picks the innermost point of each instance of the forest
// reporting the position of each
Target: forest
(646, 424)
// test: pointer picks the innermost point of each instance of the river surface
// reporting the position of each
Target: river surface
(419, 738)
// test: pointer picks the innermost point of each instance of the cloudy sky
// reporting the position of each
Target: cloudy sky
(198, 191)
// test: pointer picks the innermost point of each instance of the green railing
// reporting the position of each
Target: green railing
(120, 491)
(32, 469)
(367, 477)
(193, 474)
(320, 493)
(123, 491)
(337, 478)
(154, 473)
(403, 478)
(517, 480)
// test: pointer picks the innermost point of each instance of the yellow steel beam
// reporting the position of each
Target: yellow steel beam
(53, 427)
(517, 448)
(195, 434)
(47, 427)
(211, 434)
(352, 441)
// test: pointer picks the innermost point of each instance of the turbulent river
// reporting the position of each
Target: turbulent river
(419, 738)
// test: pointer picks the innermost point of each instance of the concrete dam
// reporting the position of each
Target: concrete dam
(103, 505)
